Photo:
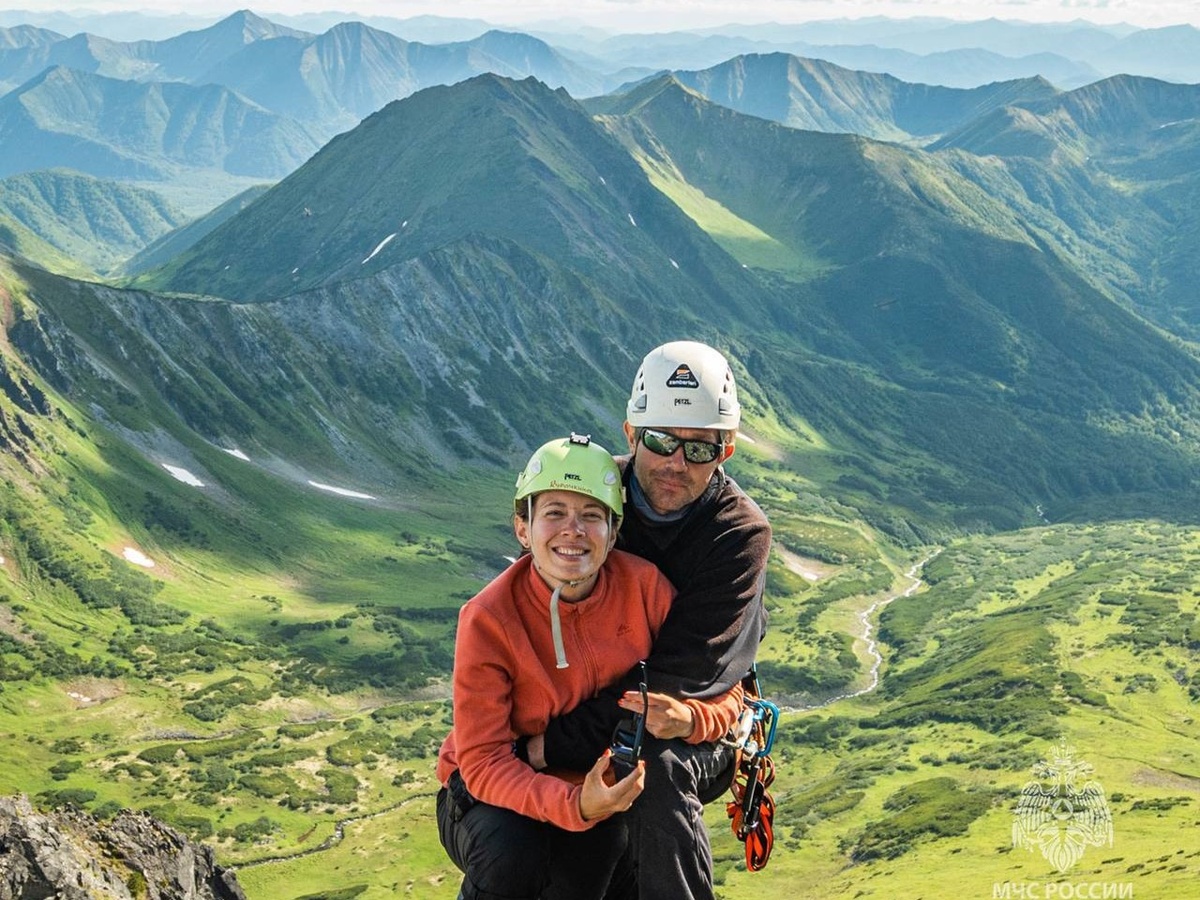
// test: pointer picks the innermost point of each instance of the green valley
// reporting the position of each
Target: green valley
(254, 463)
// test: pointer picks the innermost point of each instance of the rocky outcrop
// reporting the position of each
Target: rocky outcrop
(70, 855)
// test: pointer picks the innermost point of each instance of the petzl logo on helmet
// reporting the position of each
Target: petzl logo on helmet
(682, 377)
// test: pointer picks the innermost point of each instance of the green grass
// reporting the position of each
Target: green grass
(744, 241)
(863, 780)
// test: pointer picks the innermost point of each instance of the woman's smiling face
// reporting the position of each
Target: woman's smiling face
(569, 537)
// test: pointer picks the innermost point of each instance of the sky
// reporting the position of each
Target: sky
(662, 15)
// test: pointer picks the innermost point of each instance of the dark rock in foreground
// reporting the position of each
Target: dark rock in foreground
(71, 855)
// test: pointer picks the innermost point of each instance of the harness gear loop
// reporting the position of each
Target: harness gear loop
(752, 809)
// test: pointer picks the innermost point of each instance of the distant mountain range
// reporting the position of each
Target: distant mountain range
(819, 96)
(891, 258)
(113, 128)
(262, 392)
(407, 281)
(328, 81)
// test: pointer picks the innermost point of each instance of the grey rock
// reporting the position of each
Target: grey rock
(71, 855)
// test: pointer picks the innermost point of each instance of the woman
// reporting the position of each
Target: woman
(564, 620)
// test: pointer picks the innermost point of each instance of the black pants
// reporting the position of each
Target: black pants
(668, 837)
(506, 856)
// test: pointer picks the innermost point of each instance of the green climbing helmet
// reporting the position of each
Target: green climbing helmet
(572, 464)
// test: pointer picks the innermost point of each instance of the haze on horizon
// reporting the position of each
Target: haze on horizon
(663, 15)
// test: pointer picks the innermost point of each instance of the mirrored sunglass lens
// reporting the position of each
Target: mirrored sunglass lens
(699, 451)
(659, 442)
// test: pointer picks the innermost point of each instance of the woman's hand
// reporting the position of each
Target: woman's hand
(599, 799)
(666, 717)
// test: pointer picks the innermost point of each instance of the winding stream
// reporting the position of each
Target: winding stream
(866, 620)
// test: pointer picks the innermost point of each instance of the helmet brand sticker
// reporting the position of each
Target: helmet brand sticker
(682, 377)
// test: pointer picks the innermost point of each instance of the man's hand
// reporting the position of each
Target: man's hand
(599, 799)
(535, 748)
(666, 717)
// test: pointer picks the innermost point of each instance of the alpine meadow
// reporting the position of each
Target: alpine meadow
(287, 304)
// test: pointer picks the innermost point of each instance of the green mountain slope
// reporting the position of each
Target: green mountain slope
(16, 240)
(173, 243)
(904, 326)
(95, 222)
(538, 173)
(916, 272)
(110, 128)
(1110, 171)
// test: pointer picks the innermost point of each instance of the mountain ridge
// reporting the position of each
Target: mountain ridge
(132, 130)
(815, 95)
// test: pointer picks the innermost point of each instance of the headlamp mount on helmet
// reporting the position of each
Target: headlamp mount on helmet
(575, 464)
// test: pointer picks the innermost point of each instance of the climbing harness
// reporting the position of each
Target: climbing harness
(752, 809)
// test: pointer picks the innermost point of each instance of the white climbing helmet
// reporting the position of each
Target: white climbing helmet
(684, 384)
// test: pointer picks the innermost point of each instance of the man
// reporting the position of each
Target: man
(711, 540)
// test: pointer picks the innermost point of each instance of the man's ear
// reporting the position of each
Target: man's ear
(631, 437)
(729, 448)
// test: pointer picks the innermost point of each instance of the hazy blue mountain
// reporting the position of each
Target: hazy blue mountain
(27, 36)
(183, 57)
(324, 80)
(524, 55)
(330, 81)
(335, 79)
(668, 50)
(964, 68)
(820, 96)
(1075, 40)
(124, 129)
(83, 52)
(95, 222)
(423, 29)
(117, 26)
(190, 56)
(878, 30)
(1170, 53)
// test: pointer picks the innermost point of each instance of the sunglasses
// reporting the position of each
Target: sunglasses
(693, 451)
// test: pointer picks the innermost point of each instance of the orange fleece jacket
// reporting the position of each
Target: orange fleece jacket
(506, 684)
